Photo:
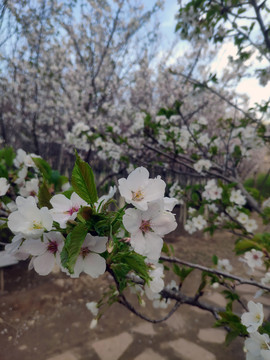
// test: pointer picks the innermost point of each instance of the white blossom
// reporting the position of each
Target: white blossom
(204, 139)
(46, 253)
(202, 164)
(190, 226)
(212, 191)
(237, 197)
(251, 225)
(139, 190)
(253, 319)
(147, 228)
(253, 258)
(29, 220)
(224, 265)
(30, 188)
(89, 260)
(199, 222)
(255, 344)
(65, 209)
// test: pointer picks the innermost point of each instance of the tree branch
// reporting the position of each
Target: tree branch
(240, 280)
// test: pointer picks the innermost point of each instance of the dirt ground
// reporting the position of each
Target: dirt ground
(43, 317)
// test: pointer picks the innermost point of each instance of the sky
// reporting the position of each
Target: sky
(249, 86)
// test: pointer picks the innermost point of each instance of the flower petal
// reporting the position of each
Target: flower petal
(94, 265)
(44, 264)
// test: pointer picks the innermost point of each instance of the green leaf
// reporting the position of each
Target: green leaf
(246, 245)
(165, 249)
(44, 196)
(182, 272)
(3, 171)
(231, 336)
(72, 247)
(8, 155)
(83, 181)
(43, 167)
(125, 261)
(215, 259)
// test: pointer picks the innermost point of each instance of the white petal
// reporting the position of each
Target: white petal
(132, 220)
(124, 190)
(61, 218)
(155, 189)
(139, 176)
(164, 224)
(137, 241)
(34, 247)
(96, 243)
(61, 203)
(169, 203)
(77, 200)
(78, 268)
(44, 264)
(46, 218)
(17, 223)
(94, 265)
(28, 202)
(153, 246)
(265, 354)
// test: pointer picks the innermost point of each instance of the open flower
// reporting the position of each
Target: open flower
(212, 191)
(237, 197)
(29, 220)
(139, 190)
(224, 265)
(201, 165)
(242, 218)
(89, 260)
(65, 209)
(23, 159)
(30, 188)
(199, 222)
(147, 227)
(257, 345)
(46, 253)
(251, 225)
(253, 319)
(253, 258)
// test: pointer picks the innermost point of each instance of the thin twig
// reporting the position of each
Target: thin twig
(240, 280)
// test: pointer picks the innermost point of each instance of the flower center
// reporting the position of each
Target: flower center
(137, 195)
(258, 317)
(52, 247)
(73, 210)
(37, 225)
(145, 226)
(84, 252)
(255, 257)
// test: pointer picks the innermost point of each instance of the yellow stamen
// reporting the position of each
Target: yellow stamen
(138, 195)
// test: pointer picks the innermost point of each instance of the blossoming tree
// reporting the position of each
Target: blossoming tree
(54, 223)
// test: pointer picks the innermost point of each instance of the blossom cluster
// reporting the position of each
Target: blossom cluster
(257, 345)
(148, 222)
(43, 233)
